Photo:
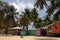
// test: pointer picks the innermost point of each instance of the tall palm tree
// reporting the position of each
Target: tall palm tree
(8, 13)
(3, 7)
(10, 16)
(24, 20)
(28, 16)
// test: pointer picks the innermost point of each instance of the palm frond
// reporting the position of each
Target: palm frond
(40, 3)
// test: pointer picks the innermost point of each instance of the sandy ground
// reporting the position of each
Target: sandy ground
(27, 38)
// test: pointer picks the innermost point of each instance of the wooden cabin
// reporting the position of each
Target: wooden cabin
(54, 29)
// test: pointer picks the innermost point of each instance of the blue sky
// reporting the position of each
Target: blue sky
(20, 5)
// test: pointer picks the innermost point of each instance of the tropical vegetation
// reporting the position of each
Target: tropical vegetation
(8, 14)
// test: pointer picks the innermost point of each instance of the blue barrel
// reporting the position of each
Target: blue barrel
(23, 33)
(31, 32)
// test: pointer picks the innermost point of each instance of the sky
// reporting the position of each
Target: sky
(20, 5)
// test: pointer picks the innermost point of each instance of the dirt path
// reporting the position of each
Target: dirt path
(27, 38)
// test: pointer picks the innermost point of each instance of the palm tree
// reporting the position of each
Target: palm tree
(40, 3)
(3, 7)
(24, 20)
(10, 16)
(7, 15)
(54, 7)
(28, 16)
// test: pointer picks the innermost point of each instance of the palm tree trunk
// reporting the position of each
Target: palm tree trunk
(27, 29)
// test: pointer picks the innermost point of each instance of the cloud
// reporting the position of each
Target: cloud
(20, 6)
(30, 5)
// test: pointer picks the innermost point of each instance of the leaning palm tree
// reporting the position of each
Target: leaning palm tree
(54, 8)
(55, 5)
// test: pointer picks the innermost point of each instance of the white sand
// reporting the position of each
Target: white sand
(27, 38)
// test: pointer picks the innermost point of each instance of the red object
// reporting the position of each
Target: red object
(55, 27)
(58, 25)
